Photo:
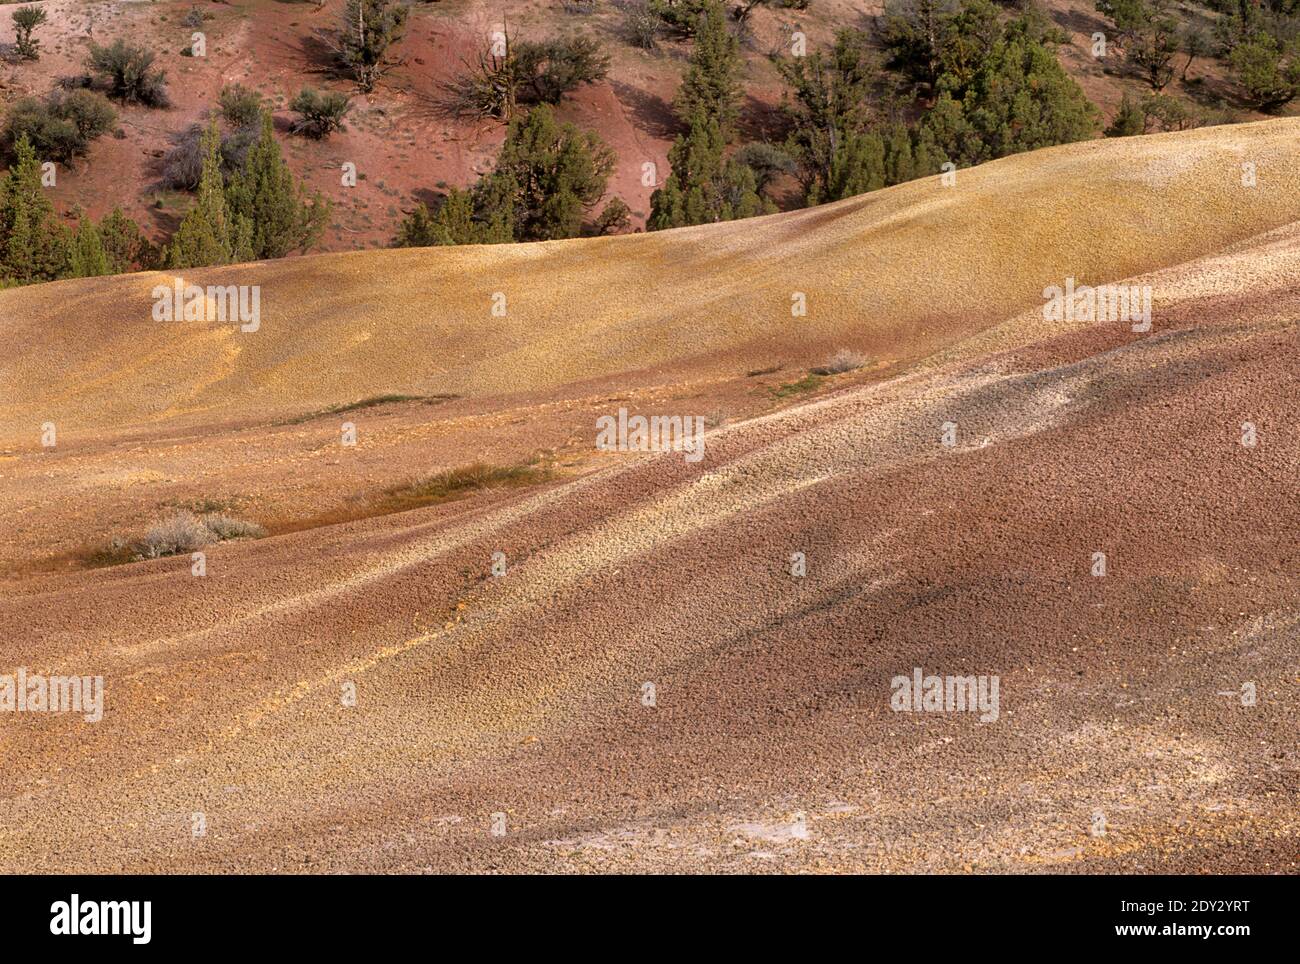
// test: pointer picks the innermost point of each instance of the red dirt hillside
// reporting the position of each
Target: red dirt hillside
(404, 147)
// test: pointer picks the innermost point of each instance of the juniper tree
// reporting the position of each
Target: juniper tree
(125, 246)
(86, 256)
(548, 175)
(1195, 44)
(368, 30)
(1019, 99)
(614, 219)
(695, 168)
(829, 109)
(966, 39)
(912, 32)
(455, 221)
(546, 178)
(1156, 41)
(209, 235)
(1129, 119)
(265, 195)
(1267, 70)
(711, 85)
(1164, 113)
(858, 167)
(900, 158)
(704, 186)
(33, 243)
(417, 230)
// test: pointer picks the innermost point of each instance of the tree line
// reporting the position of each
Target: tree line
(927, 85)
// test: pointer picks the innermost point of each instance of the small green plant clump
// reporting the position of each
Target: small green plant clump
(319, 114)
(127, 71)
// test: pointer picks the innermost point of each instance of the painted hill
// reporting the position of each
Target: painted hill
(898, 274)
(769, 738)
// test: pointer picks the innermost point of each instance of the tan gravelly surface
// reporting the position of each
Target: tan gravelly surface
(771, 745)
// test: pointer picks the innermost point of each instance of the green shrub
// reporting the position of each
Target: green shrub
(680, 16)
(125, 245)
(615, 218)
(240, 106)
(641, 24)
(552, 68)
(127, 70)
(319, 114)
(1268, 72)
(60, 127)
(524, 72)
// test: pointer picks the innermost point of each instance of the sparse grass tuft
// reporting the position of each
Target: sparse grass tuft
(371, 402)
(203, 506)
(178, 533)
(453, 483)
(186, 531)
(116, 553)
(844, 360)
(225, 527)
(182, 532)
(444, 486)
(805, 384)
